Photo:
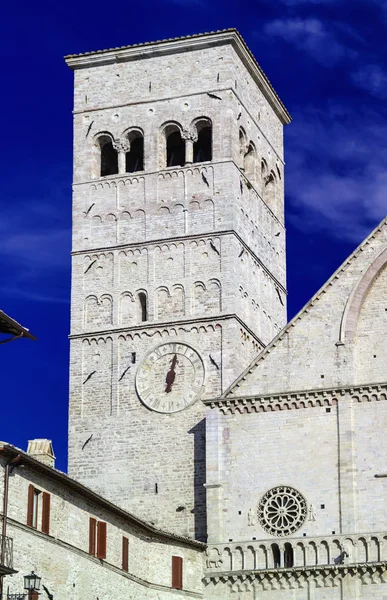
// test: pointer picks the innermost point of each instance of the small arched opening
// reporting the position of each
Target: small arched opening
(108, 156)
(276, 556)
(249, 162)
(175, 146)
(134, 159)
(142, 306)
(270, 187)
(288, 556)
(202, 148)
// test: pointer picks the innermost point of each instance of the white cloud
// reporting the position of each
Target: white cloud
(337, 172)
(373, 79)
(310, 35)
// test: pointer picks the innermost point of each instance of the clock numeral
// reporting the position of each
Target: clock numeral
(154, 402)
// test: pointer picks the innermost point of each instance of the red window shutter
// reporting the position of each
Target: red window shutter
(46, 513)
(30, 506)
(101, 542)
(125, 554)
(177, 572)
(92, 535)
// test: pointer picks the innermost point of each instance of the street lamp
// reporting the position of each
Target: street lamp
(32, 584)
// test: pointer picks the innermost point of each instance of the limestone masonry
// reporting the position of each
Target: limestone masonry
(194, 408)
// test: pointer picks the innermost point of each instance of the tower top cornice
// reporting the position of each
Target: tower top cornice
(185, 44)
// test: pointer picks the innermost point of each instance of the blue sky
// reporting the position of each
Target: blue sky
(327, 61)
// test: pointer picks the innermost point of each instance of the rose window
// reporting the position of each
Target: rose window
(282, 510)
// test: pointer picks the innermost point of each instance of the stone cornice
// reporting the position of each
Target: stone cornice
(299, 577)
(183, 238)
(298, 399)
(178, 45)
(146, 326)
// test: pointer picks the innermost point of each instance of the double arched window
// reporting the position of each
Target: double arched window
(178, 147)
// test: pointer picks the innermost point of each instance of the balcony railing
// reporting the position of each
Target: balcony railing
(6, 554)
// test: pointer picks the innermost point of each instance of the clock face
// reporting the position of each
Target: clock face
(170, 377)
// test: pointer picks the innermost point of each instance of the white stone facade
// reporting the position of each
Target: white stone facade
(62, 556)
(203, 242)
(279, 460)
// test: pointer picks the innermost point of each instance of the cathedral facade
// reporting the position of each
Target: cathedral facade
(204, 413)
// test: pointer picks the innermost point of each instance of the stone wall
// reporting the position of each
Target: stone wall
(62, 557)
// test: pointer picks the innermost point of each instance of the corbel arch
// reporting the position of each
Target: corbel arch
(356, 299)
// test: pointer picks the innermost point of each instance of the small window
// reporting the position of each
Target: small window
(143, 306)
(203, 146)
(276, 556)
(175, 147)
(33, 506)
(177, 572)
(97, 538)
(125, 554)
(134, 160)
(109, 157)
(288, 556)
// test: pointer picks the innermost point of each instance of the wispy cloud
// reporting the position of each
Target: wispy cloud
(310, 35)
(372, 78)
(346, 191)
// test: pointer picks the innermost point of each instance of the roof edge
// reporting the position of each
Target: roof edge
(6, 448)
(232, 389)
(184, 44)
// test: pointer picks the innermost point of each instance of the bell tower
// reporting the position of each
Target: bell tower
(178, 274)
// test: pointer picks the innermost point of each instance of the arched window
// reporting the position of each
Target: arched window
(143, 310)
(249, 162)
(175, 146)
(202, 148)
(242, 146)
(288, 556)
(109, 156)
(134, 159)
(276, 556)
(269, 189)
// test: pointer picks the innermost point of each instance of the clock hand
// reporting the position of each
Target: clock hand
(170, 378)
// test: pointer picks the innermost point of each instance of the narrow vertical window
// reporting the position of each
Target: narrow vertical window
(35, 508)
(202, 149)
(125, 554)
(92, 535)
(46, 513)
(101, 539)
(177, 572)
(109, 157)
(288, 556)
(134, 159)
(143, 306)
(276, 556)
(175, 147)
(30, 507)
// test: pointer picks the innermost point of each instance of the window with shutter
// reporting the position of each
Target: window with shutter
(101, 542)
(30, 507)
(125, 554)
(46, 513)
(92, 535)
(177, 572)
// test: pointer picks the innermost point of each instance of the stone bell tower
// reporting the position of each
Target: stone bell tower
(178, 260)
